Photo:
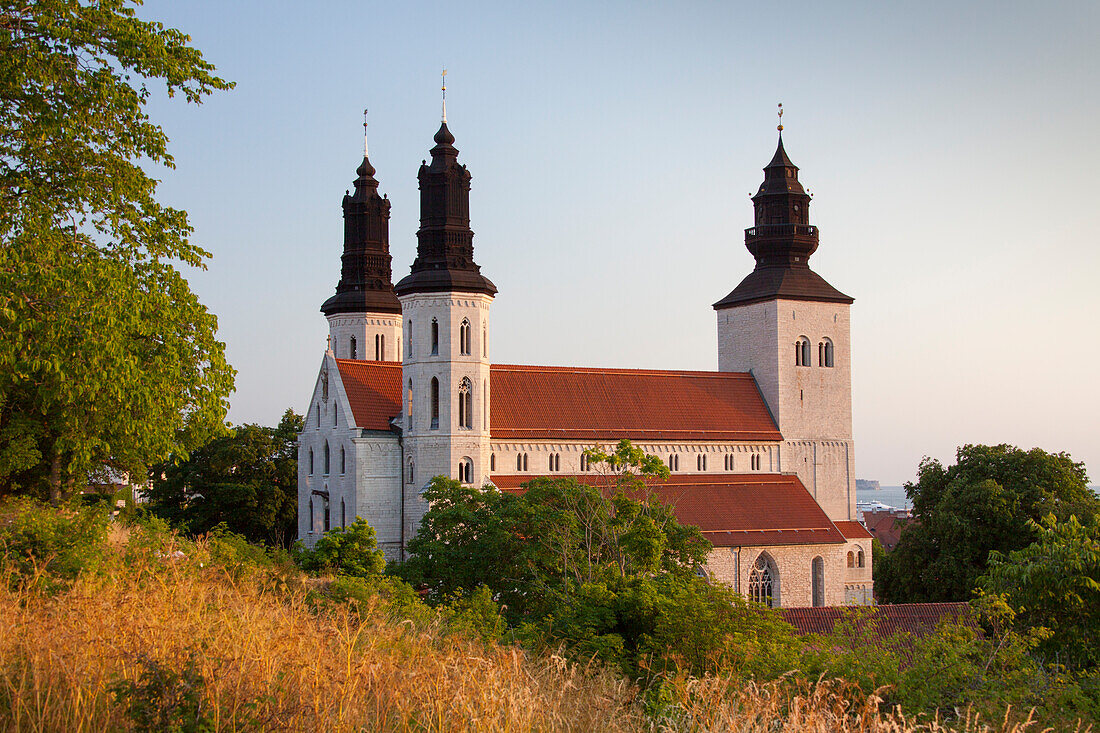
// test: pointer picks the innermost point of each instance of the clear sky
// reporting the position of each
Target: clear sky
(951, 149)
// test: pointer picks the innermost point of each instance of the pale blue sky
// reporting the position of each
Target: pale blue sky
(951, 148)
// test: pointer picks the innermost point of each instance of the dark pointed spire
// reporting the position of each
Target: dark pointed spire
(782, 241)
(445, 243)
(366, 280)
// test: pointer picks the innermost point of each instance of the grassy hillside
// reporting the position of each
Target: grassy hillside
(132, 628)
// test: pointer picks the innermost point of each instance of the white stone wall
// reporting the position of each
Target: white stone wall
(438, 451)
(364, 328)
(733, 565)
(812, 405)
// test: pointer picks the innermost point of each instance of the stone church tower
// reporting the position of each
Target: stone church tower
(445, 310)
(364, 315)
(790, 328)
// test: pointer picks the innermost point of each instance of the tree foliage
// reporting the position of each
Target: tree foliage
(351, 551)
(988, 500)
(107, 358)
(246, 480)
(1054, 583)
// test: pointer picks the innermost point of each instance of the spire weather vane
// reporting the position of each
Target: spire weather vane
(364, 133)
(780, 127)
(444, 95)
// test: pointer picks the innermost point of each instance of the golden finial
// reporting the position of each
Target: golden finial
(444, 75)
(364, 133)
(780, 128)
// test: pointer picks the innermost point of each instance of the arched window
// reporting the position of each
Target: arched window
(754, 462)
(343, 515)
(353, 350)
(524, 461)
(334, 415)
(557, 461)
(326, 458)
(435, 337)
(466, 471)
(328, 525)
(701, 462)
(409, 406)
(465, 403)
(484, 340)
(802, 352)
(851, 559)
(379, 347)
(492, 461)
(519, 461)
(410, 349)
(343, 462)
(828, 353)
(435, 404)
(763, 582)
(484, 404)
(584, 462)
(821, 353)
(310, 461)
(859, 558)
(319, 414)
(817, 574)
(412, 471)
(464, 337)
(311, 520)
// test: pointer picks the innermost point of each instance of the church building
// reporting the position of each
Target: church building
(761, 450)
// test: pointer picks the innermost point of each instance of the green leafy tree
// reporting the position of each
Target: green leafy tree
(107, 359)
(351, 551)
(246, 480)
(988, 500)
(1054, 583)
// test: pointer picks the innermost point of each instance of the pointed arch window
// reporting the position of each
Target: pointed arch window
(353, 349)
(466, 470)
(492, 461)
(409, 351)
(343, 515)
(464, 337)
(326, 457)
(763, 582)
(484, 340)
(310, 461)
(817, 574)
(465, 403)
(328, 521)
(435, 337)
(343, 462)
(435, 404)
(409, 406)
(379, 347)
(412, 471)
(335, 410)
(311, 520)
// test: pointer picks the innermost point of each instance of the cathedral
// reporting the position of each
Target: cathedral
(760, 451)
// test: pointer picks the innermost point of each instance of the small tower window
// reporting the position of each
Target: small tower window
(410, 349)
(335, 415)
(343, 515)
(343, 462)
(310, 461)
(409, 406)
(328, 524)
(828, 353)
(353, 350)
(851, 559)
(465, 403)
(484, 340)
(802, 352)
(859, 558)
(435, 404)
(464, 337)
(318, 416)
(435, 337)
(412, 471)
(379, 347)
(326, 456)
(466, 471)
(311, 519)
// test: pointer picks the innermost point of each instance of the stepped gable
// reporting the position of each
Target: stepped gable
(572, 403)
(782, 241)
(374, 391)
(581, 403)
(917, 619)
(734, 510)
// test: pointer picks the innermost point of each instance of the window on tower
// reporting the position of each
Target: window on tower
(326, 458)
(828, 353)
(466, 471)
(410, 349)
(435, 337)
(435, 404)
(353, 350)
(802, 352)
(464, 337)
(465, 403)
(484, 340)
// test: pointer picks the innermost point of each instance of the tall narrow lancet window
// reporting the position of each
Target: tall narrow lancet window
(762, 583)
(492, 461)
(464, 337)
(817, 573)
(311, 519)
(326, 456)
(828, 353)
(343, 514)
(435, 337)
(465, 403)
(334, 415)
(310, 461)
(412, 471)
(859, 560)
(409, 351)
(409, 406)
(328, 522)
(378, 347)
(484, 404)
(484, 340)
(343, 462)
(435, 404)
(353, 350)
(519, 461)
(821, 353)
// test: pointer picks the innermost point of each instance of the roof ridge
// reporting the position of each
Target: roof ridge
(621, 370)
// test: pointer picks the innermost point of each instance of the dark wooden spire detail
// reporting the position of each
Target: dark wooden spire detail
(445, 242)
(782, 241)
(366, 280)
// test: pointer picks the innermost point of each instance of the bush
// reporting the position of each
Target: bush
(50, 544)
(166, 700)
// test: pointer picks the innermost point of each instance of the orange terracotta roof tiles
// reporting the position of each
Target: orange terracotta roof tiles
(913, 618)
(575, 403)
(734, 510)
(374, 390)
(853, 530)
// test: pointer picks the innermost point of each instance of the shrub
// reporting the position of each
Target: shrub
(50, 544)
(351, 550)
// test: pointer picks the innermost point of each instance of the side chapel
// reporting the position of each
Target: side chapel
(761, 450)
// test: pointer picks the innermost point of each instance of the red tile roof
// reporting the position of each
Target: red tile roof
(566, 403)
(573, 403)
(734, 510)
(853, 530)
(374, 390)
(914, 618)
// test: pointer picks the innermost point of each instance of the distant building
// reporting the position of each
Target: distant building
(761, 451)
(885, 525)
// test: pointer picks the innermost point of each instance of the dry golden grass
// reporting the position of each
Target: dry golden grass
(271, 660)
